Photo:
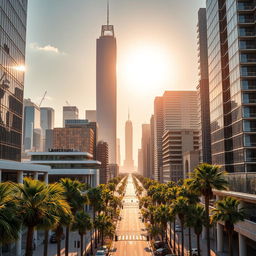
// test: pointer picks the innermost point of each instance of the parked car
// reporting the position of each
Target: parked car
(104, 248)
(100, 253)
(177, 228)
(53, 238)
(194, 252)
(159, 244)
(162, 251)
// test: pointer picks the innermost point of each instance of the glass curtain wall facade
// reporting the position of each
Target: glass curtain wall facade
(13, 16)
(232, 83)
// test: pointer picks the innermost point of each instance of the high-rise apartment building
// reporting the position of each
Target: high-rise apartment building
(32, 132)
(203, 89)
(103, 157)
(232, 83)
(140, 162)
(47, 123)
(12, 59)
(158, 134)
(128, 162)
(152, 119)
(145, 150)
(91, 115)
(106, 88)
(175, 111)
(70, 112)
(118, 152)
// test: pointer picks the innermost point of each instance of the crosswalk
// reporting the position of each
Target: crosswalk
(132, 238)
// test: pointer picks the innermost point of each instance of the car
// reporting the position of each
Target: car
(194, 252)
(159, 244)
(104, 248)
(162, 251)
(100, 253)
(53, 238)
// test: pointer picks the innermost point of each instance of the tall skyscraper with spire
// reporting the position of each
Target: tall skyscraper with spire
(128, 162)
(106, 87)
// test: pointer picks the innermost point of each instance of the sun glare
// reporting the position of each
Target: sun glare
(147, 68)
(20, 68)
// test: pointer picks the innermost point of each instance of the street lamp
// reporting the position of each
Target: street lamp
(4, 82)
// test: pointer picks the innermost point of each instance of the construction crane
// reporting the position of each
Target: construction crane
(43, 98)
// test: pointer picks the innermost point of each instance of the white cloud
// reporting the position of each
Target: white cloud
(47, 48)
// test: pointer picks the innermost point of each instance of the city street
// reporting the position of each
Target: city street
(131, 231)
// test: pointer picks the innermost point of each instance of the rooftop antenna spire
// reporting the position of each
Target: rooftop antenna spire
(107, 12)
(129, 114)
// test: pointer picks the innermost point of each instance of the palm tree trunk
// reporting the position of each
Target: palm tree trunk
(102, 238)
(207, 202)
(170, 234)
(230, 243)
(174, 237)
(182, 239)
(91, 243)
(58, 247)
(29, 242)
(67, 241)
(82, 244)
(189, 241)
(46, 239)
(198, 244)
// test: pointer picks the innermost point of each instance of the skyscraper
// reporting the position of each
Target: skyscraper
(203, 89)
(91, 115)
(232, 83)
(128, 162)
(106, 88)
(102, 156)
(32, 132)
(69, 112)
(175, 111)
(118, 152)
(12, 58)
(145, 150)
(47, 123)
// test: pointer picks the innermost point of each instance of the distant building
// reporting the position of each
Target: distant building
(102, 156)
(32, 132)
(47, 123)
(81, 139)
(118, 152)
(175, 144)
(48, 139)
(91, 115)
(128, 162)
(152, 139)
(191, 160)
(13, 24)
(70, 112)
(113, 171)
(140, 162)
(145, 150)
(84, 123)
(203, 89)
(175, 111)
(106, 88)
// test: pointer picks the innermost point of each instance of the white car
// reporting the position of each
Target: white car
(100, 253)
(194, 252)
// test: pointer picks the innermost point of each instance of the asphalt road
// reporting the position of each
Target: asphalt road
(130, 230)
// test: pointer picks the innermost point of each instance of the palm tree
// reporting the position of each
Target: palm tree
(154, 230)
(204, 179)
(198, 220)
(72, 192)
(51, 222)
(227, 210)
(82, 223)
(162, 217)
(36, 202)
(9, 221)
(103, 223)
(180, 208)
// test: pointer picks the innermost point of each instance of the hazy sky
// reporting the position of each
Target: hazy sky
(157, 51)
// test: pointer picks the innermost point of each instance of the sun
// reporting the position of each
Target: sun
(147, 68)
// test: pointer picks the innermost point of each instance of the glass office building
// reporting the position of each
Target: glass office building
(232, 83)
(13, 15)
